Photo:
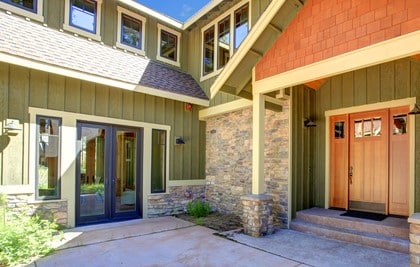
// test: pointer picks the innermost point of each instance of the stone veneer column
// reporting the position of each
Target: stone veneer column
(257, 217)
(414, 222)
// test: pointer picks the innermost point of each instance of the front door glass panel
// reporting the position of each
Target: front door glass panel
(126, 171)
(92, 171)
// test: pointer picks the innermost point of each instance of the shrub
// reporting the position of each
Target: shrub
(24, 237)
(198, 208)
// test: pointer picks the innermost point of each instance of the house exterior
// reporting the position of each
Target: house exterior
(100, 107)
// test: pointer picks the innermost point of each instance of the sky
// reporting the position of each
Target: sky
(180, 10)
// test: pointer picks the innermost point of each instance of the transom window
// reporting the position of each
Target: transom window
(222, 37)
(130, 31)
(168, 45)
(83, 17)
(48, 157)
(28, 8)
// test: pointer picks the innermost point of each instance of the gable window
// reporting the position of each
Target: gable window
(158, 181)
(83, 17)
(29, 8)
(168, 45)
(48, 157)
(222, 37)
(130, 31)
(241, 25)
(209, 51)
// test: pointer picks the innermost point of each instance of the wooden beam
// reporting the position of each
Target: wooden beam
(245, 83)
(258, 113)
(275, 28)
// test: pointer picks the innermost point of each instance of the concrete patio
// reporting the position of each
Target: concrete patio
(168, 241)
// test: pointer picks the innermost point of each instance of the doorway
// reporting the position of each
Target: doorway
(108, 173)
(369, 166)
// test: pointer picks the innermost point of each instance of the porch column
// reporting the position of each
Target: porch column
(414, 222)
(257, 217)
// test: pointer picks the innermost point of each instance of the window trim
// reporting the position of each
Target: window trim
(122, 11)
(38, 15)
(37, 135)
(215, 22)
(68, 27)
(178, 48)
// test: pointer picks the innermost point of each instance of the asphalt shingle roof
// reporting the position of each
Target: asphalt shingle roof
(39, 43)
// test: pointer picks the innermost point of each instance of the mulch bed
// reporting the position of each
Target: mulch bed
(216, 221)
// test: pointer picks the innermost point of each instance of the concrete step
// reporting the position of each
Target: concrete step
(353, 236)
(391, 226)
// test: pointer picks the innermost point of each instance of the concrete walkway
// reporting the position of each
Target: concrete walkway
(169, 241)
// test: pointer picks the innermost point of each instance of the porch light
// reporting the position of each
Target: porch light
(179, 141)
(415, 110)
(309, 123)
(11, 125)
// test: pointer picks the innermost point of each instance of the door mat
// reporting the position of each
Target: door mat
(364, 215)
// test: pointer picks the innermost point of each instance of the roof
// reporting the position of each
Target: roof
(236, 76)
(40, 44)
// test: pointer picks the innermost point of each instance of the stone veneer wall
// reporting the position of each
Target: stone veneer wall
(175, 201)
(229, 160)
(55, 209)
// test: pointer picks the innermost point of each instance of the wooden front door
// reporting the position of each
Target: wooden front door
(368, 161)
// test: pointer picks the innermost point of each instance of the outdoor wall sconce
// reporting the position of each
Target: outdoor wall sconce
(308, 123)
(415, 110)
(179, 141)
(11, 125)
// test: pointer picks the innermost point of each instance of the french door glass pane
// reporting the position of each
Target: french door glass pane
(125, 176)
(92, 171)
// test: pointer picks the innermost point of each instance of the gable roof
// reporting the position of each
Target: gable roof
(55, 50)
(236, 76)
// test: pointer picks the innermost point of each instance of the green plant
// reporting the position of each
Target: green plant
(198, 208)
(92, 188)
(24, 237)
(199, 221)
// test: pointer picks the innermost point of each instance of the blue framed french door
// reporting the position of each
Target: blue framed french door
(108, 176)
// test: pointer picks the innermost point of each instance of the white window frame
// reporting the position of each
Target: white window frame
(178, 45)
(66, 26)
(119, 43)
(38, 16)
(229, 13)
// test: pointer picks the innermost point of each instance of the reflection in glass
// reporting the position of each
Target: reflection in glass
(48, 157)
(168, 45)
(92, 155)
(158, 161)
(358, 129)
(131, 31)
(83, 14)
(367, 127)
(241, 25)
(377, 126)
(339, 130)
(400, 124)
(224, 42)
(125, 182)
(208, 64)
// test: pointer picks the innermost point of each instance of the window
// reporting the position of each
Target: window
(48, 157)
(83, 17)
(224, 42)
(208, 51)
(168, 45)
(158, 183)
(241, 25)
(222, 37)
(130, 31)
(29, 8)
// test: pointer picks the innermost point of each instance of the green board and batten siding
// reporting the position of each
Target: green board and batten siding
(21, 88)
(389, 81)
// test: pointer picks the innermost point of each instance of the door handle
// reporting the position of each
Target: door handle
(351, 175)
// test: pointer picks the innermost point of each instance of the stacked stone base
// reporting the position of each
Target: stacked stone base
(414, 221)
(53, 210)
(175, 201)
(257, 217)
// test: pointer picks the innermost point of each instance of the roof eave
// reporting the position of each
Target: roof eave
(32, 64)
